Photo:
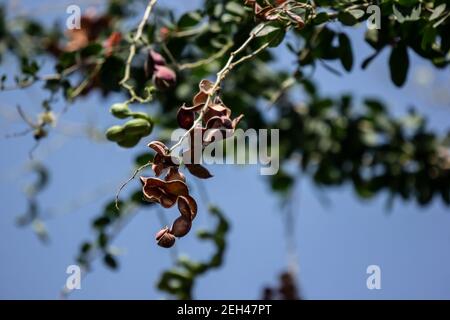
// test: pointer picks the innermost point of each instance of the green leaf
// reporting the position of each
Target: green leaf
(320, 18)
(374, 105)
(415, 14)
(235, 8)
(398, 15)
(399, 64)
(101, 222)
(345, 51)
(347, 18)
(102, 240)
(93, 49)
(189, 19)
(275, 38)
(357, 13)
(428, 38)
(86, 247)
(408, 3)
(281, 182)
(143, 159)
(110, 261)
(436, 24)
(437, 11)
(369, 59)
(266, 30)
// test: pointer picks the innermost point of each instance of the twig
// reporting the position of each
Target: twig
(190, 32)
(86, 81)
(220, 76)
(126, 182)
(285, 86)
(46, 77)
(208, 60)
(18, 134)
(132, 53)
(120, 226)
(249, 56)
(33, 149)
(25, 118)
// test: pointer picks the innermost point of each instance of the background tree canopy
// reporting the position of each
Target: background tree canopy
(138, 62)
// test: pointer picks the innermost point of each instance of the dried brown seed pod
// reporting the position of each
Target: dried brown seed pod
(181, 226)
(187, 207)
(174, 174)
(164, 238)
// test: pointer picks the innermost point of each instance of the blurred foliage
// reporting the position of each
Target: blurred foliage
(336, 140)
(179, 281)
(33, 215)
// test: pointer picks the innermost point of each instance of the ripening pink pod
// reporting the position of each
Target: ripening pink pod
(154, 59)
(164, 77)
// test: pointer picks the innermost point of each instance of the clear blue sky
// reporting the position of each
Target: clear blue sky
(335, 243)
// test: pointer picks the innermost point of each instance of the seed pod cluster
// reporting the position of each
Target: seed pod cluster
(173, 188)
(168, 192)
(129, 134)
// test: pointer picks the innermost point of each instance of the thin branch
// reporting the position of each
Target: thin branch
(18, 134)
(190, 32)
(126, 182)
(220, 76)
(46, 77)
(86, 81)
(249, 56)
(285, 86)
(208, 60)
(25, 118)
(132, 53)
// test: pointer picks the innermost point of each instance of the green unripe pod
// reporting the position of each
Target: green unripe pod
(120, 110)
(141, 115)
(115, 133)
(140, 127)
(129, 141)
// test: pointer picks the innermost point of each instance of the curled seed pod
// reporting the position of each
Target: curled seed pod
(181, 226)
(187, 207)
(164, 238)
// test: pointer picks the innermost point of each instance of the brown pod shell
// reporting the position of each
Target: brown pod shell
(181, 226)
(164, 238)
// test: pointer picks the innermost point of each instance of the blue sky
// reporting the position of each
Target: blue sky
(335, 242)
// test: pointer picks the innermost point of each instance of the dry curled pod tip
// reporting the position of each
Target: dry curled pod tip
(187, 207)
(164, 238)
